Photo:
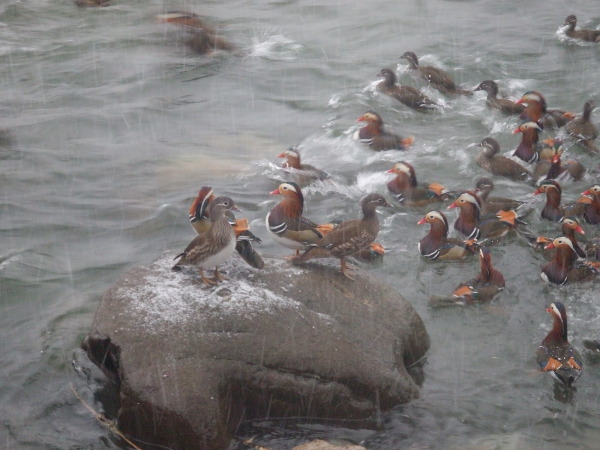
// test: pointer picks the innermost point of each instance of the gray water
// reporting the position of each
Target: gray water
(115, 125)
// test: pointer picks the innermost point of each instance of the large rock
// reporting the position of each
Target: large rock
(193, 362)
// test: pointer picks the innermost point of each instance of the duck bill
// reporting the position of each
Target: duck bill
(360, 119)
(516, 130)
(537, 192)
(548, 247)
(282, 155)
(423, 221)
(390, 171)
(453, 205)
(275, 192)
(579, 230)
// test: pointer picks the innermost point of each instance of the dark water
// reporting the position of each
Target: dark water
(115, 126)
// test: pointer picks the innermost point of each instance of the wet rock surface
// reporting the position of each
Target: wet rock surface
(192, 362)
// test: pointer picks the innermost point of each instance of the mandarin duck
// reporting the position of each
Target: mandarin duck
(570, 226)
(591, 201)
(474, 225)
(555, 354)
(583, 130)
(492, 101)
(490, 160)
(303, 172)
(537, 111)
(553, 209)
(530, 149)
(349, 237)
(437, 78)
(436, 245)
(482, 288)
(581, 34)
(213, 247)
(491, 205)
(201, 223)
(374, 135)
(564, 268)
(406, 190)
(408, 95)
(555, 168)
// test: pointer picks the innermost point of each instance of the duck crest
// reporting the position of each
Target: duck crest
(199, 207)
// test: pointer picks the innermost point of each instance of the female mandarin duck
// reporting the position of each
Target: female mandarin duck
(376, 137)
(490, 160)
(583, 130)
(437, 78)
(204, 39)
(580, 34)
(492, 101)
(564, 268)
(472, 224)
(537, 111)
(553, 210)
(406, 190)
(482, 288)
(530, 149)
(436, 245)
(213, 247)
(591, 202)
(491, 205)
(200, 220)
(411, 97)
(348, 238)
(555, 354)
(286, 224)
(304, 172)
(569, 228)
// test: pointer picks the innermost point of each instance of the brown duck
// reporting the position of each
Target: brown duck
(583, 130)
(580, 34)
(564, 267)
(406, 190)
(349, 237)
(491, 204)
(490, 160)
(553, 209)
(408, 95)
(537, 111)
(213, 247)
(503, 104)
(436, 245)
(304, 173)
(555, 168)
(374, 135)
(437, 78)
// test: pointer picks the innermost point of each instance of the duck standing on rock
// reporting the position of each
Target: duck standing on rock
(406, 190)
(437, 78)
(200, 221)
(490, 160)
(503, 104)
(564, 268)
(436, 245)
(411, 97)
(376, 137)
(303, 172)
(213, 247)
(482, 288)
(580, 34)
(555, 354)
(350, 237)
(583, 130)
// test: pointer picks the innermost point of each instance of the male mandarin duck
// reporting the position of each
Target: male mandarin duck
(200, 221)
(406, 190)
(583, 130)
(376, 137)
(304, 172)
(203, 39)
(591, 202)
(437, 78)
(349, 237)
(569, 228)
(580, 34)
(503, 104)
(530, 149)
(213, 247)
(564, 268)
(537, 111)
(553, 209)
(436, 245)
(555, 168)
(490, 160)
(286, 224)
(472, 224)
(482, 288)
(491, 205)
(411, 97)
(555, 354)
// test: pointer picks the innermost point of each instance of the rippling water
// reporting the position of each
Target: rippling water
(115, 125)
